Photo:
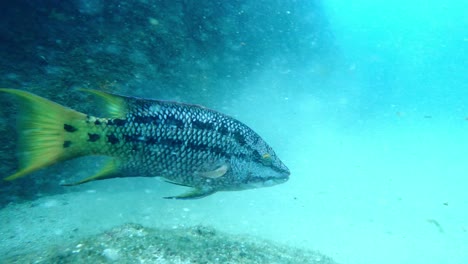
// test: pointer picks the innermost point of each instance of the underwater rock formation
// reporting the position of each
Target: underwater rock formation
(133, 243)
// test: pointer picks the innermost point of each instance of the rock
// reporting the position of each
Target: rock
(133, 243)
(111, 254)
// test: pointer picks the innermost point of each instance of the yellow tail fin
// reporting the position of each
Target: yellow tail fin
(43, 127)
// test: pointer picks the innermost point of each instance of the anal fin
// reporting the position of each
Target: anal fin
(110, 170)
(194, 193)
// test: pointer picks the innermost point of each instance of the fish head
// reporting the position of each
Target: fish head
(262, 169)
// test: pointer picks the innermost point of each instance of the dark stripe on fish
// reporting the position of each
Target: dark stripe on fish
(66, 143)
(223, 131)
(173, 121)
(197, 124)
(132, 138)
(239, 138)
(219, 151)
(197, 147)
(93, 137)
(69, 128)
(145, 119)
(120, 122)
(171, 142)
(116, 122)
(112, 139)
(177, 143)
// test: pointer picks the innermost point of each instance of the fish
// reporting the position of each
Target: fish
(185, 144)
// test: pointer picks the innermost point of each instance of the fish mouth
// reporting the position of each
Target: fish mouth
(275, 176)
(283, 174)
(282, 177)
(282, 180)
(257, 182)
(275, 181)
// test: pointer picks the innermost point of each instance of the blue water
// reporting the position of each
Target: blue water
(373, 128)
(383, 161)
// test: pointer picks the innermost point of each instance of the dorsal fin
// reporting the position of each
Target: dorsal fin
(116, 105)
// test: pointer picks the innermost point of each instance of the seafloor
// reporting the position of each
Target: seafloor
(132, 243)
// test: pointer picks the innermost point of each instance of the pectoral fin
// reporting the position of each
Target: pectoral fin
(218, 172)
(195, 193)
(110, 170)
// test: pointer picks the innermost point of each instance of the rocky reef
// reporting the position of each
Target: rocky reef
(133, 243)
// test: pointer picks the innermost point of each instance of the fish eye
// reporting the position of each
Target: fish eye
(267, 159)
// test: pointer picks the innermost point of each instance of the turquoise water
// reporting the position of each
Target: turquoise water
(367, 108)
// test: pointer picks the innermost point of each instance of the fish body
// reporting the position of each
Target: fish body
(186, 144)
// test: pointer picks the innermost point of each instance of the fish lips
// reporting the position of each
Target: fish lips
(275, 181)
(280, 178)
